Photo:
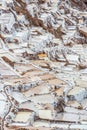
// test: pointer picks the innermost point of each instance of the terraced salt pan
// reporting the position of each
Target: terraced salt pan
(22, 116)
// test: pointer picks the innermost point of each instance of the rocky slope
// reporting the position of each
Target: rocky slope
(43, 64)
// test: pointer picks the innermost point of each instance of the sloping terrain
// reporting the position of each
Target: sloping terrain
(43, 64)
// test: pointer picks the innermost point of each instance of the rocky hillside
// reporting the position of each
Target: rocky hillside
(43, 64)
